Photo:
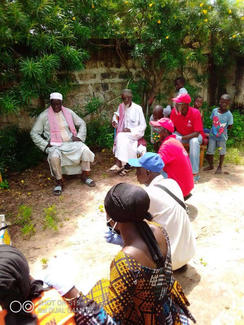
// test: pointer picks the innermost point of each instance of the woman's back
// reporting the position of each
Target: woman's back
(139, 294)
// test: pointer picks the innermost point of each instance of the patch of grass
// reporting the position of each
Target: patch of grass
(234, 156)
(24, 219)
(51, 218)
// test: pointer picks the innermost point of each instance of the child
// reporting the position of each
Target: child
(156, 115)
(222, 121)
(198, 104)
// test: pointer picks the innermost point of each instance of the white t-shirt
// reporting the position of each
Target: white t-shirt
(182, 91)
(172, 216)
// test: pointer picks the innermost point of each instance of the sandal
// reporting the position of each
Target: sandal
(124, 172)
(115, 168)
(57, 190)
(89, 182)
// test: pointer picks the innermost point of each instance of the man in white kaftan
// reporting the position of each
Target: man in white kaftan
(130, 125)
(54, 132)
(165, 209)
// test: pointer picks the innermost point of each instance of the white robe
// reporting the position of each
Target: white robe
(170, 214)
(70, 153)
(126, 142)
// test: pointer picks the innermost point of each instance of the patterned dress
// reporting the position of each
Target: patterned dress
(140, 295)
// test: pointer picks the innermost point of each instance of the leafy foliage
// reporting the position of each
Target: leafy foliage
(15, 146)
(51, 218)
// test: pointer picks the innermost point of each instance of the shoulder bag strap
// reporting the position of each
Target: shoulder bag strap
(172, 195)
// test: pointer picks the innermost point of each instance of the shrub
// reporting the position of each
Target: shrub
(100, 134)
(17, 151)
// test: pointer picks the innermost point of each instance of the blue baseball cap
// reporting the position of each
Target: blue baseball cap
(150, 161)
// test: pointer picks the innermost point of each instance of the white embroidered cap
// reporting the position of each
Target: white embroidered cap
(56, 96)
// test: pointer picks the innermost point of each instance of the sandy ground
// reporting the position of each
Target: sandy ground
(213, 281)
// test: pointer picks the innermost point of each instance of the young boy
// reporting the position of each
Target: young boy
(156, 115)
(222, 121)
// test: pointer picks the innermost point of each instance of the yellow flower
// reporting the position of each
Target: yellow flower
(29, 193)
(22, 181)
(150, 5)
(103, 150)
(201, 4)
(204, 11)
(126, 2)
(73, 18)
(242, 18)
(159, 21)
(93, 6)
(229, 11)
(49, 178)
(167, 37)
(206, 20)
(234, 36)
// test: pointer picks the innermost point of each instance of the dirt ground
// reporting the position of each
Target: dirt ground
(213, 281)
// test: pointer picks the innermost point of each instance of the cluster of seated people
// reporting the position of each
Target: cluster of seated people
(141, 288)
(151, 224)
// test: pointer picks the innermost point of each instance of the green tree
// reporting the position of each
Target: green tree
(38, 50)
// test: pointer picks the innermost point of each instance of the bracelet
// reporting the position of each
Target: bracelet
(71, 299)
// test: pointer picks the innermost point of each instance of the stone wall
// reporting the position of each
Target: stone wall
(105, 76)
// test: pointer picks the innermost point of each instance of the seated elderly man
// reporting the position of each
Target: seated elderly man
(54, 133)
(130, 126)
(189, 129)
(167, 207)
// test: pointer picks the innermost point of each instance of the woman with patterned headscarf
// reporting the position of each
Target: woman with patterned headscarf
(141, 289)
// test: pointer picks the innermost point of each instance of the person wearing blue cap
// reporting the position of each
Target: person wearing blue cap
(166, 207)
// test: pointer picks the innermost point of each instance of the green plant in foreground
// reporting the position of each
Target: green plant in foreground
(4, 184)
(28, 230)
(24, 215)
(50, 218)
(24, 219)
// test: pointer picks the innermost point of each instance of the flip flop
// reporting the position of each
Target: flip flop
(89, 182)
(115, 168)
(57, 190)
(124, 172)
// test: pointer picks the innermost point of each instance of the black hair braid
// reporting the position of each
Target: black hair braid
(150, 240)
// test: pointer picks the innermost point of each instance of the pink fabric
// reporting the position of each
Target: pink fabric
(120, 127)
(177, 163)
(54, 127)
(188, 124)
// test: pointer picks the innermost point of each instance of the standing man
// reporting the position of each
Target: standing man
(165, 208)
(130, 125)
(177, 164)
(222, 122)
(54, 133)
(189, 129)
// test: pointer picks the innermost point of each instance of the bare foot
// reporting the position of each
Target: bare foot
(208, 168)
(218, 171)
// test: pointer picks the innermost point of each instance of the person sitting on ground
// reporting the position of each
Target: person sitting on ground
(141, 289)
(25, 302)
(179, 86)
(222, 122)
(188, 129)
(176, 161)
(156, 115)
(54, 133)
(130, 125)
(166, 207)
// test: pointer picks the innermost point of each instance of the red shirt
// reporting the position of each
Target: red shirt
(188, 124)
(177, 163)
